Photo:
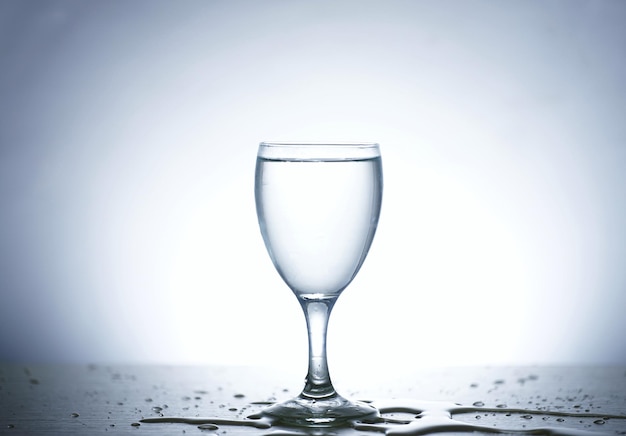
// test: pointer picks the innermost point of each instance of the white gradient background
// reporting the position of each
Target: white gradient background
(128, 135)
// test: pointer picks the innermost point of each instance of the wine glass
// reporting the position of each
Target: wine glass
(318, 207)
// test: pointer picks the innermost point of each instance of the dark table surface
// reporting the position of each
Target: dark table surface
(101, 399)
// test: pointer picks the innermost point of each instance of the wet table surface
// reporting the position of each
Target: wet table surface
(101, 399)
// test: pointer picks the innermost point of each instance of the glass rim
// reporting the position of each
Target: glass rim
(366, 144)
(318, 151)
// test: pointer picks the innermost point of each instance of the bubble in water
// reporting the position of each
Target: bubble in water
(599, 421)
(157, 409)
(501, 406)
(10, 426)
(478, 404)
(527, 416)
(239, 396)
(135, 424)
(74, 415)
(208, 427)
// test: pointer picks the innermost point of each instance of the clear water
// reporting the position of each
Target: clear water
(413, 418)
(318, 219)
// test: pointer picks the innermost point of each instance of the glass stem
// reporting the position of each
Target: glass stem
(317, 312)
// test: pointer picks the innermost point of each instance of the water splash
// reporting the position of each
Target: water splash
(423, 417)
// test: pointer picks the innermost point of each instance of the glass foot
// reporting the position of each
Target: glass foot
(333, 411)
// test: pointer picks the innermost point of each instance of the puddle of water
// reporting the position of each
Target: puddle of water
(414, 418)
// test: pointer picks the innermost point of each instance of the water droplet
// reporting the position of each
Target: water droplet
(239, 395)
(560, 420)
(599, 421)
(148, 400)
(10, 426)
(74, 415)
(526, 417)
(501, 406)
(478, 404)
(208, 427)
(232, 409)
(477, 417)
(498, 382)
(474, 385)
(157, 409)
(135, 424)
(34, 381)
